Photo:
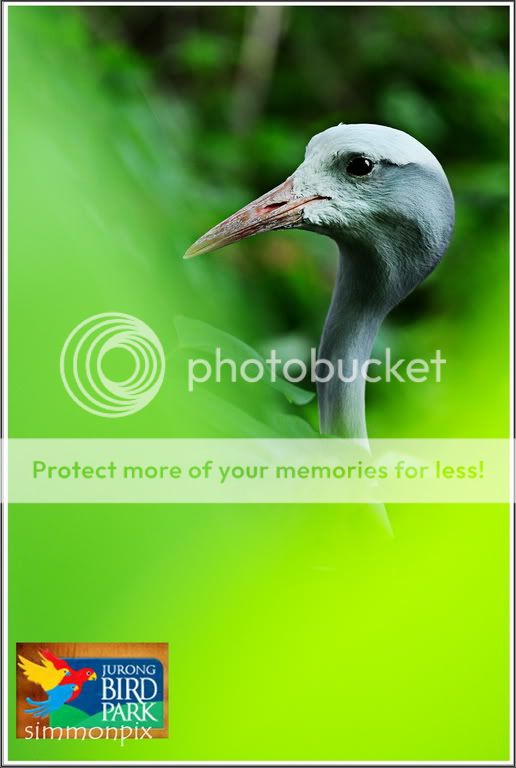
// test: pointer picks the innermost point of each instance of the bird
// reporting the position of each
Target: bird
(56, 698)
(47, 675)
(76, 676)
(385, 200)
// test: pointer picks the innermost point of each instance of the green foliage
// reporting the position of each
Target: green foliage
(167, 128)
(295, 631)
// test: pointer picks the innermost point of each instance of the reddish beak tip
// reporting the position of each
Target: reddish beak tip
(277, 209)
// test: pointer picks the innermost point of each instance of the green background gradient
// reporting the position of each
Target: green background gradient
(295, 632)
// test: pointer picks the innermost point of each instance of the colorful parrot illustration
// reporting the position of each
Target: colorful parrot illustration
(56, 698)
(47, 675)
(76, 676)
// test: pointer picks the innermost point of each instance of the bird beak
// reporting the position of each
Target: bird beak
(94, 676)
(277, 209)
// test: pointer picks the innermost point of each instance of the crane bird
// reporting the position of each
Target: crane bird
(385, 200)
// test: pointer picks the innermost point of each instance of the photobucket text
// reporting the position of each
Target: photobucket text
(316, 370)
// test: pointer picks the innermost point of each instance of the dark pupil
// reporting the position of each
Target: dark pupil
(360, 166)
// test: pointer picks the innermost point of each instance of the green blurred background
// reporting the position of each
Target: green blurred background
(295, 633)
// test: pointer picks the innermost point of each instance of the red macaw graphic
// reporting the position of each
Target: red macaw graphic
(76, 677)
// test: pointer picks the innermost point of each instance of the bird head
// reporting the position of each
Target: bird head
(86, 673)
(64, 672)
(377, 191)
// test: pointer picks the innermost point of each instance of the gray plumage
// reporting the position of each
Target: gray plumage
(391, 225)
(392, 228)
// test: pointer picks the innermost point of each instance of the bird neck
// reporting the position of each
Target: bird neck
(351, 326)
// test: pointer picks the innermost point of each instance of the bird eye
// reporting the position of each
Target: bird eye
(359, 166)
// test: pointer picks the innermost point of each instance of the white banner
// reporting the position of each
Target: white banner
(226, 471)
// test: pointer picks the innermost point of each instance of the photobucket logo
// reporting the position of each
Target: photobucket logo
(83, 362)
(318, 370)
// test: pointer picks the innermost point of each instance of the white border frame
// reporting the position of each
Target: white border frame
(4, 457)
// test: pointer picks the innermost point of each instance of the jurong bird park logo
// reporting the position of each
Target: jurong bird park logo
(92, 691)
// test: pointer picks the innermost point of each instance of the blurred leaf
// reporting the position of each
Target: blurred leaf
(203, 52)
(198, 336)
(412, 112)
